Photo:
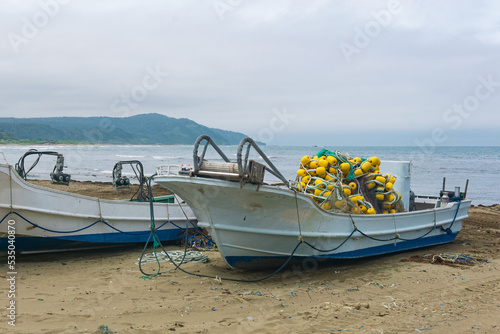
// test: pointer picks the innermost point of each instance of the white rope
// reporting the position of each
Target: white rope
(10, 187)
(176, 256)
(452, 257)
(100, 213)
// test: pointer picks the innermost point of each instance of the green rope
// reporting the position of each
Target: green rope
(340, 157)
(156, 242)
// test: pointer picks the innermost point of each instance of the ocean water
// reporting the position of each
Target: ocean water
(480, 165)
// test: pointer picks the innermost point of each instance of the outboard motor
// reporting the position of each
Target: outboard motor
(412, 206)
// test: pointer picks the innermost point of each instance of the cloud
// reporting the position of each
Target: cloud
(230, 64)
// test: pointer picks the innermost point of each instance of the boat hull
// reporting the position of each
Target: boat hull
(34, 218)
(259, 226)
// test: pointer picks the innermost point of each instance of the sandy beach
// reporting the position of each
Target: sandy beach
(103, 291)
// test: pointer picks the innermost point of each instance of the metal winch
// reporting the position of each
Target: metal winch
(119, 181)
(244, 170)
(123, 182)
(254, 173)
(57, 176)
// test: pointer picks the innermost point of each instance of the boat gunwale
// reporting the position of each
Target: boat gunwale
(30, 186)
(290, 193)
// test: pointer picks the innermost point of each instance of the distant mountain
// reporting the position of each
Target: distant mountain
(139, 129)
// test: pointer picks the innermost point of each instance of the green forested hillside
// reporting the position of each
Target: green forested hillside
(139, 129)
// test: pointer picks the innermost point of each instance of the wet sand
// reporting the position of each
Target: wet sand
(76, 292)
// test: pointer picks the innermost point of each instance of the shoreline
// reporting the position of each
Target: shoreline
(261, 144)
(97, 145)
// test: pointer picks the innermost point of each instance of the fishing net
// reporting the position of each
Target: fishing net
(339, 183)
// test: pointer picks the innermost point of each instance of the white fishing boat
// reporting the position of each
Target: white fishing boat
(35, 218)
(257, 225)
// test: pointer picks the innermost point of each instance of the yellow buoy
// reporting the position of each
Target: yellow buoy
(385, 212)
(392, 179)
(392, 211)
(375, 161)
(357, 160)
(366, 166)
(313, 164)
(380, 197)
(371, 185)
(347, 191)
(320, 183)
(331, 160)
(358, 172)
(305, 160)
(321, 171)
(389, 197)
(355, 210)
(381, 179)
(370, 211)
(339, 204)
(332, 170)
(312, 172)
(301, 172)
(323, 163)
(330, 187)
(327, 176)
(388, 186)
(306, 179)
(317, 192)
(345, 167)
(363, 208)
(326, 206)
(353, 185)
(327, 193)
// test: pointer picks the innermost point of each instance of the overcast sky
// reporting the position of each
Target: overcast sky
(283, 72)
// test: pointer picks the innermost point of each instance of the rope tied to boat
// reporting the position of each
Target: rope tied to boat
(300, 237)
(353, 223)
(85, 227)
(100, 213)
(10, 188)
(448, 229)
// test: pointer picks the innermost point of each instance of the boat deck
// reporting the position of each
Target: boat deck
(104, 190)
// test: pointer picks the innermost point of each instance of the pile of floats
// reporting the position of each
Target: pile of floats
(340, 183)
